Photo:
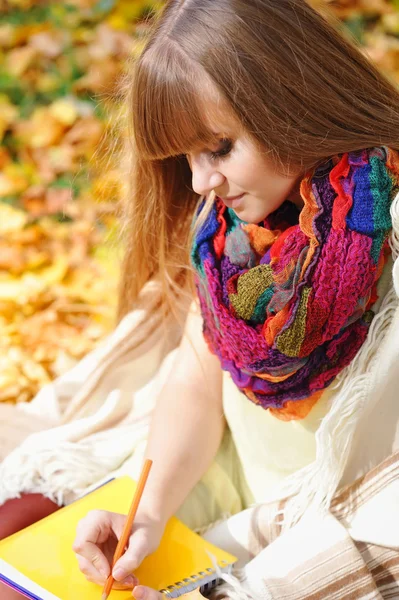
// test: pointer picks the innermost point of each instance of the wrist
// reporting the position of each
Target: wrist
(152, 507)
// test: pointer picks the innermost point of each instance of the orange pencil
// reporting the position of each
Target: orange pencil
(128, 525)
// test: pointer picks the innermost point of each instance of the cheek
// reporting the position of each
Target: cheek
(257, 171)
(272, 186)
(253, 174)
(248, 173)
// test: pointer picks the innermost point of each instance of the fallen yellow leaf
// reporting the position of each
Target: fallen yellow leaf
(41, 130)
(19, 59)
(13, 180)
(56, 272)
(64, 110)
(11, 219)
(8, 114)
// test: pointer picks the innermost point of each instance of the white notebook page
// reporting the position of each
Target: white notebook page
(24, 582)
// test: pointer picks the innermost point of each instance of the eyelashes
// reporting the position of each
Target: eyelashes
(227, 146)
(224, 151)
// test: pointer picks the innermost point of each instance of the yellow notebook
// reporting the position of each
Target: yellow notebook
(40, 563)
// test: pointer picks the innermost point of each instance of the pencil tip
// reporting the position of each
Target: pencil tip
(104, 597)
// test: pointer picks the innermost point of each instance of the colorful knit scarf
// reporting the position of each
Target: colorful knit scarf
(287, 303)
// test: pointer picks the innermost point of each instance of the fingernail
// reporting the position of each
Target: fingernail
(139, 592)
(118, 574)
(130, 581)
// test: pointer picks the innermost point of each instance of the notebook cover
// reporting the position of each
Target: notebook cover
(43, 551)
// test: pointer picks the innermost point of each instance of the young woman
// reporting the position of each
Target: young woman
(266, 145)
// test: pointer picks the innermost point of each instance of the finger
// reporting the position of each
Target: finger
(126, 584)
(89, 571)
(93, 576)
(94, 529)
(142, 592)
(136, 552)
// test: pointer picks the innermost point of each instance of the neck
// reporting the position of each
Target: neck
(294, 196)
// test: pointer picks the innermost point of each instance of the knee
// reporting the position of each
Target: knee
(18, 513)
(7, 593)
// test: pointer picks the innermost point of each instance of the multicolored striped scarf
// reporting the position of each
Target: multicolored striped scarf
(287, 303)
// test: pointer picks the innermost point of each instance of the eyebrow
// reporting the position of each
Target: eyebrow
(219, 134)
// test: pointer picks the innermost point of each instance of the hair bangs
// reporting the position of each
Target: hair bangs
(169, 116)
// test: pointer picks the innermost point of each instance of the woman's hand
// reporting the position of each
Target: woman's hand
(96, 539)
(145, 593)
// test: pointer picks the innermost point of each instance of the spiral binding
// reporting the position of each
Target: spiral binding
(205, 580)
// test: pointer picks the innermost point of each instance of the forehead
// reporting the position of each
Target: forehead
(219, 122)
(218, 116)
(178, 111)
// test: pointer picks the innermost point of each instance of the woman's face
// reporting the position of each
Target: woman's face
(235, 166)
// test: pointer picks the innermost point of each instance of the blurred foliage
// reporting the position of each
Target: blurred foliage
(59, 191)
(60, 63)
(374, 24)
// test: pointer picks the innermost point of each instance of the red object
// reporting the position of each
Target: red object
(6, 593)
(18, 513)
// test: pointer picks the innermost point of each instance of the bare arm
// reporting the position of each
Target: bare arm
(187, 425)
(186, 431)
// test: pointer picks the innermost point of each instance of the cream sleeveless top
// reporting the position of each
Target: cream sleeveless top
(271, 449)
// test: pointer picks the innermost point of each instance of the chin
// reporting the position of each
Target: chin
(250, 217)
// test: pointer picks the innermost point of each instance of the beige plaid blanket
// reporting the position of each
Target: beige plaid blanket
(350, 552)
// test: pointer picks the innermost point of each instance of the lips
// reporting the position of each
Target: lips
(230, 198)
(232, 201)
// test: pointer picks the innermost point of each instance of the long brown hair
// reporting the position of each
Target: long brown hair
(301, 89)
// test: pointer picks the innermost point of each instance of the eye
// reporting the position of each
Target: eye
(226, 148)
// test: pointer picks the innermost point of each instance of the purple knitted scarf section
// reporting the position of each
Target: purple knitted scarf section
(287, 303)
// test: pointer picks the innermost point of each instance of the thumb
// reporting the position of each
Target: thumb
(136, 552)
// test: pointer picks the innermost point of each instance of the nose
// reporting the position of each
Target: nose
(205, 176)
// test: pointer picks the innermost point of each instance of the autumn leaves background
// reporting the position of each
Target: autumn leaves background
(60, 188)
